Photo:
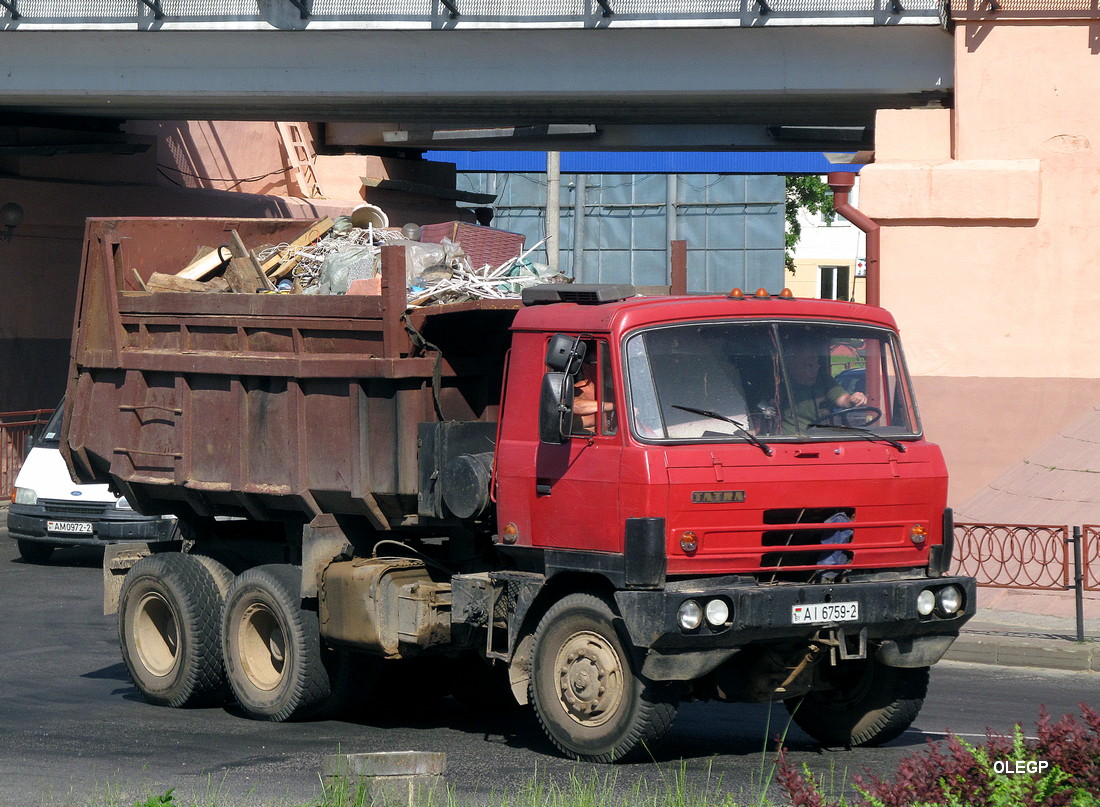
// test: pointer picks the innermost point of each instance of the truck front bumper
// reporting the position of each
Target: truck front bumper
(764, 614)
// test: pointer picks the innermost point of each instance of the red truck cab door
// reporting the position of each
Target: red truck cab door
(561, 496)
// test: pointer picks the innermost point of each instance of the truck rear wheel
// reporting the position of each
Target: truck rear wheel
(169, 628)
(869, 704)
(273, 646)
(590, 703)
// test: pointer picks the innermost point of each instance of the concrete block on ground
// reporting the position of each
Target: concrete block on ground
(397, 778)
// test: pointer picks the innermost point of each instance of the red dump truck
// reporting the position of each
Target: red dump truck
(593, 502)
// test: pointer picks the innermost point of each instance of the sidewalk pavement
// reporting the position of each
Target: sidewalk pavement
(1030, 629)
(1011, 629)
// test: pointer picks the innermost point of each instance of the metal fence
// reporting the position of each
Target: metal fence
(1034, 557)
(14, 429)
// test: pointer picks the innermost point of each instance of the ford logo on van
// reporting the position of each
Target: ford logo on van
(77, 493)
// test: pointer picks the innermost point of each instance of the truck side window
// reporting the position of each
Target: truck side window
(594, 393)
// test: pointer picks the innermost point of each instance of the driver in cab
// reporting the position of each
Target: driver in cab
(814, 392)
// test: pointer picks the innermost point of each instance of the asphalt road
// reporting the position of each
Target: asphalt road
(74, 731)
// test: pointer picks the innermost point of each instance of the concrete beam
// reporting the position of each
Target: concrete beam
(823, 76)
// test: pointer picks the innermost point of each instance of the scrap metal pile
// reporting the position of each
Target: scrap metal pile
(333, 256)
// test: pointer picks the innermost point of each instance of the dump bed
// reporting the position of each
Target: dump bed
(263, 405)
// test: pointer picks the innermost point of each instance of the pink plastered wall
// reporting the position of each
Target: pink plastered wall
(990, 247)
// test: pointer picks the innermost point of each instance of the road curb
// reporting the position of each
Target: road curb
(1024, 651)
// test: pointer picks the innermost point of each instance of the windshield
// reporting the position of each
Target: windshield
(51, 435)
(717, 381)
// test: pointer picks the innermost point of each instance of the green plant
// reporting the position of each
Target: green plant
(1058, 769)
(165, 800)
(804, 193)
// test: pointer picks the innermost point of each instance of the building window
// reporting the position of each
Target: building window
(835, 283)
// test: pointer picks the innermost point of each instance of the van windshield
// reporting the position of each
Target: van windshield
(777, 381)
(51, 435)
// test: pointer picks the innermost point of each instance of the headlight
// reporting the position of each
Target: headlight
(949, 600)
(122, 504)
(24, 496)
(690, 615)
(926, 602)
(718, 613)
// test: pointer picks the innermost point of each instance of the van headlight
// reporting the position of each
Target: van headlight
(24, 496)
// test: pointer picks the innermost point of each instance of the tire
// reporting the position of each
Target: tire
(34, 551)
(870, 704)
(222, 577)
(590, 703)
(169, 629)
(272, 646)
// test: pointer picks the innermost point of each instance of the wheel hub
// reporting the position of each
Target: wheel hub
(262, 647)
(156, 635)
(590, 678)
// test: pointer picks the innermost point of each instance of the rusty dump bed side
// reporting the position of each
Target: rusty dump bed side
(263, 405)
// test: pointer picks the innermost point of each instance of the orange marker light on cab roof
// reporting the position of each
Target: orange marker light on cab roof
(736, 294)
(786, 294)
(761, 292)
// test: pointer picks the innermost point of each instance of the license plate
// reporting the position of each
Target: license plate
(821, 612)
(69, 526)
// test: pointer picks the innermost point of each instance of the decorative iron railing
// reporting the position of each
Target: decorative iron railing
(1090, 556)
(1036, 557)
(1023, 556)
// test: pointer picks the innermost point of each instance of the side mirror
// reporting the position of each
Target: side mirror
(28, 444)
(556, 408)
(564, 354)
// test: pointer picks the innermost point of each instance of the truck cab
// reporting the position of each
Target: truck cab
(754, 490)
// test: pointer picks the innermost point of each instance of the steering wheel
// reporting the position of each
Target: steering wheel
(842, 414)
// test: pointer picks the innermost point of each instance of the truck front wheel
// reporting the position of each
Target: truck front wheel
(272, 646)
(169, 628)
(868, 703)
(590, 703)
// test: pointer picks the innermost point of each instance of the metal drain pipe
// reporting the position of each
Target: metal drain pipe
(841, 183)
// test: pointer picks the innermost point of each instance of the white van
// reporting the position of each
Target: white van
(48, 510)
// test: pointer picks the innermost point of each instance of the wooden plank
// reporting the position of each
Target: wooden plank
(276, 267)
(423, 189)
(159, 281)
(244, 267)
(206, 263)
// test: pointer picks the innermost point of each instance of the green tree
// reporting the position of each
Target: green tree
(808, 193)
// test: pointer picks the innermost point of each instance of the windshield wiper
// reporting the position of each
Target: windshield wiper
(866, 434)
(740, 427)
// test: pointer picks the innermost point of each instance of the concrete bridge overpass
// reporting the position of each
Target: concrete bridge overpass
(617, 74)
